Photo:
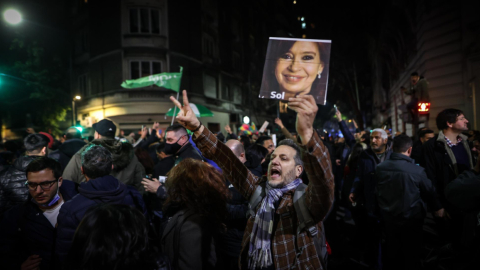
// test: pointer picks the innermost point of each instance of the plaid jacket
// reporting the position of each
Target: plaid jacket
(319, 198)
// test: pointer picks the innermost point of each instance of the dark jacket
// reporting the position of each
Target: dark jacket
(127, 169)
(163, 166)
(417, 152)
(403, 189)
(66, 151)
(102, 190)
(365, 183)
(464, 191)
(188, 241)
(12, 184)
(25, 231)
(150, 144)
(187, 151)
(440, 164)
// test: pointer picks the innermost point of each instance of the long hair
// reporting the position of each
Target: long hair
(194, 184)
(277, 48)
(111, 237)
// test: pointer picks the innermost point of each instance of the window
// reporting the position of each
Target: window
(226, 92)
(145, 21)
(208, 45)
(210, 83)
(139, 69)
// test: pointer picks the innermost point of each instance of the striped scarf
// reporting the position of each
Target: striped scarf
(259, 252)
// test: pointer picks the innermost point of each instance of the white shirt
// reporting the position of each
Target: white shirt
(52, 214)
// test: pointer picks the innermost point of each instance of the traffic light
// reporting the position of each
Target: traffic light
(423, 107)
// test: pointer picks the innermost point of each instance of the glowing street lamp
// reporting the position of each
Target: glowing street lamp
(12, 16)
(73, 109)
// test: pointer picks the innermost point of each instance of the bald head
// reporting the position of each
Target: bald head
(237, 149)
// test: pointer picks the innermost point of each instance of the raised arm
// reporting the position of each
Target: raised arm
(233, 169)
(284, 130)
(318, 166)
(349, 139)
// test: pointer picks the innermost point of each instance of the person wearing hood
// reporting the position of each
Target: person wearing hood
(73, 143)
(12, 190)
(126, 167)
(27, 233)
(99, 188)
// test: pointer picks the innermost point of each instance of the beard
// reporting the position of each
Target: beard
(289, 177)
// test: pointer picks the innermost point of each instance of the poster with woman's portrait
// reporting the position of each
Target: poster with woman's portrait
(296, 67)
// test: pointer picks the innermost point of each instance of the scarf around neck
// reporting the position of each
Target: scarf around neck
(259, 252)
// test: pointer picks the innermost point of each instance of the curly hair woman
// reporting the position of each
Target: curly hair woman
(196, 207)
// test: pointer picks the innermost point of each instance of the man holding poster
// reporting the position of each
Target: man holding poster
(296, 67)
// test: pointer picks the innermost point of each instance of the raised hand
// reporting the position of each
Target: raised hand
(186, 117)
(339, 115)
(306, 109)
(228, 129)
(156, 125)
(355, 123)
(279, 122)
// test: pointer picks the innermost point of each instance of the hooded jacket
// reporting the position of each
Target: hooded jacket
(25, 231)
(126, 167)
(66, 151)
(12, 184)
(106, 189)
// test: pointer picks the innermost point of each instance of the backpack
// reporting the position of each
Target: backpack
(304, 217)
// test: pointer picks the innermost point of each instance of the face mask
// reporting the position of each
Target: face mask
(172, 148)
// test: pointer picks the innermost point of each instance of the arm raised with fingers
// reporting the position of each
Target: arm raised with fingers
(306, 109)
(186, 117)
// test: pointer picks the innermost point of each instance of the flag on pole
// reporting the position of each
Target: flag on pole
(170, 80)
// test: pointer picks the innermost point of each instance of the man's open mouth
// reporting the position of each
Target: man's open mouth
(275, 173)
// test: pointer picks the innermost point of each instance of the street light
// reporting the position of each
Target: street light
(12, 16)
(73, 109)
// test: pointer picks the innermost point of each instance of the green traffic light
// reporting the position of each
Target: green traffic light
(79, 129)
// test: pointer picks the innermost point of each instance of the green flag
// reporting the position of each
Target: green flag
(166, 80)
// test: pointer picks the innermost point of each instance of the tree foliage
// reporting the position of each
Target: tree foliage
(46, 78)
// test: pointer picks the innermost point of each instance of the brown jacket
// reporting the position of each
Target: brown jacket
(319, 198)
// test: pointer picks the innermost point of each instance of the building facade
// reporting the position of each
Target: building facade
(220, 45)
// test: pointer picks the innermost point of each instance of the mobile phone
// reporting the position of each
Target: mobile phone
(162, 179)
(335, 106)
(143, 126)
(148, 177)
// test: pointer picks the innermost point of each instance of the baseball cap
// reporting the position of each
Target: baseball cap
(105, 128)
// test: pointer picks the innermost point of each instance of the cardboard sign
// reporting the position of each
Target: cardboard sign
(296, 67)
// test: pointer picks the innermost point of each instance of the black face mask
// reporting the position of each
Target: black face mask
(172, 148)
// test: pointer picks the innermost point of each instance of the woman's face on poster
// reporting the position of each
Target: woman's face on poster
(297, 69)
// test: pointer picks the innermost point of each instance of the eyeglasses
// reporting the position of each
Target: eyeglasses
(45, 186)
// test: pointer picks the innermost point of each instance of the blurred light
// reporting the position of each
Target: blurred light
(304, 36)
(302, 19)
(298, 18)
(12, 16)
(246, 120)
(294, 2)
(304, 25)
(423, 108)
(78, 97)
(79, 128)
(349, 121)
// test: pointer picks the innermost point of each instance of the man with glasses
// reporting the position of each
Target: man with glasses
(27, 233)
(12, 191)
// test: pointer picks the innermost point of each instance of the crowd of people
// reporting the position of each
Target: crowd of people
(193, 199)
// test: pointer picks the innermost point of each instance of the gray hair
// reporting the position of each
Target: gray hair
(382, 131)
